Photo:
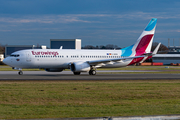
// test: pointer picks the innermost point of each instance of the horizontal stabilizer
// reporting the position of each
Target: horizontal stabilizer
(156, 50)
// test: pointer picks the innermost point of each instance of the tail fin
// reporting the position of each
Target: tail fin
(144, 42)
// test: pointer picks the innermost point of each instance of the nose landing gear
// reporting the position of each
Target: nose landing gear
(20, 70)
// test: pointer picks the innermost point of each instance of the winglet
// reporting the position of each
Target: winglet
(61, 48)
(156, 49)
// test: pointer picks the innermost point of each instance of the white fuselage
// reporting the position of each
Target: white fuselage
(59, 58)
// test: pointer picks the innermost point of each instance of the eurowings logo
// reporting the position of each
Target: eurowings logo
(112, 54)
(45, 53)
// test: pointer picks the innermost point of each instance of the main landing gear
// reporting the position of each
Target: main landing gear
(92, 71)
(20, 72)
(77, 73)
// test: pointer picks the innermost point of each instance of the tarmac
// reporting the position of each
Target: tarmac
(101, 75)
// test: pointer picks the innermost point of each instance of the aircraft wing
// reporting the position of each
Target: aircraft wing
(109, 61)
(105, 61)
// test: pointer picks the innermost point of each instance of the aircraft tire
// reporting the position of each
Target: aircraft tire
(77, 73)
(20, 73)
(92, 72)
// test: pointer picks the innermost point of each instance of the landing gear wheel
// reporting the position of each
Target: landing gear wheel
(20, 73)
(77, 73)
(92, 72)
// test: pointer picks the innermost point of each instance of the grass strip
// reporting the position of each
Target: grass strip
(67, 99)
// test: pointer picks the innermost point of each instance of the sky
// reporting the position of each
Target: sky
(95, 22)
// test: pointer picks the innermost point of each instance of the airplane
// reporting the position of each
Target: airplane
(57, 60)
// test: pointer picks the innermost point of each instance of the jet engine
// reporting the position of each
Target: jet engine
(80, 67)
(53, 69)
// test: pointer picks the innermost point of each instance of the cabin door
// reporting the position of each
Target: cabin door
(28, 57)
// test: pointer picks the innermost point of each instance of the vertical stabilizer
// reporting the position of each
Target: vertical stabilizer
(144, 42)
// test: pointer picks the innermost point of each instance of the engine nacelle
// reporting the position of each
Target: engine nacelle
(80, 67)
(54, 70)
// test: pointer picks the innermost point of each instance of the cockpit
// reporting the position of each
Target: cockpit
(14, 55)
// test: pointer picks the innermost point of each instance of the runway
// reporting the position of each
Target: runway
(68, 75)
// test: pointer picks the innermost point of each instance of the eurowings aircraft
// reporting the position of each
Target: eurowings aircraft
(56, 60)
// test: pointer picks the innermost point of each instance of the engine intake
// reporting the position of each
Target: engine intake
(80, 67)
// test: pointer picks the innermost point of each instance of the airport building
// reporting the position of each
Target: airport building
(166, 59)
(174, 50)
(65, 43)
(54, 44)
(172, 56)
(13, 48)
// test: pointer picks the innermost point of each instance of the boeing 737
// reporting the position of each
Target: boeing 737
(56, 60)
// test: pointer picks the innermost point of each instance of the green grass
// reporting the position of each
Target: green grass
(67, 99)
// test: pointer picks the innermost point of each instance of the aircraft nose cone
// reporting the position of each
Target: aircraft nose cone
(5, 61)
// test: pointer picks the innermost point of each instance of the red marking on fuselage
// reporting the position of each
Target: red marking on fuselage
(136, 60)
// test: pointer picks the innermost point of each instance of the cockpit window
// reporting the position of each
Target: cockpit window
(14, 55)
